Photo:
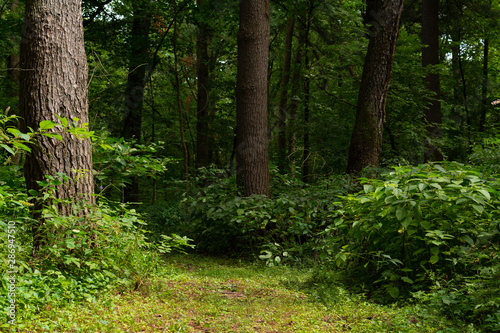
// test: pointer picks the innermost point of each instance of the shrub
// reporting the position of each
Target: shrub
(419, 228)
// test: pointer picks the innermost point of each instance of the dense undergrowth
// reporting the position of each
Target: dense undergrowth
(426, 234)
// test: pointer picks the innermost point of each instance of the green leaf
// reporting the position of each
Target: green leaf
(485, 193)
(394, 292)
(47, 124)
(406, 279)
(425, 224)
(240, 211)
(7, 148)
(401, 213)
(434, 259)
(478, 208)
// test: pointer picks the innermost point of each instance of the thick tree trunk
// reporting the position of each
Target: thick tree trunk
(203, 103)
(252, 171)
(136, 81)
(366, 141)
(53, 82)
(283, 102)
(430, 56)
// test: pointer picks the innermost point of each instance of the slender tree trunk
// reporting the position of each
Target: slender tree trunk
(53, 81)
(203, 102)
(366, 140)
(430, 57)
(136, 81)
(484, 92)
(294, 104)
(178, 96)
(252, 158)
(283, 109)
(13, 60)
(307, 84)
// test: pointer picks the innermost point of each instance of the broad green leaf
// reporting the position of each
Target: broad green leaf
(394, 292)
(400, 213)
(47, 124)
(434, 259)
(478, 208)
(425, 224)
(406, 279)
(467, 239)
(485, 193)
(7, 148)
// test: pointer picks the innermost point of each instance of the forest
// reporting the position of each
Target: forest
(250, 166)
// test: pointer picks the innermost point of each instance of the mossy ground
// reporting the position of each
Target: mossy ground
(206, 294)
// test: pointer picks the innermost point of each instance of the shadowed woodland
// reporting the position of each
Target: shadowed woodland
(345, 152)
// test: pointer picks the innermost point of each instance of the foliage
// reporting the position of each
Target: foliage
(116, 161)
(222, 222)
(487, 155)
(417, 226)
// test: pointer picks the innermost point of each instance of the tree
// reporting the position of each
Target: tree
(136, 81)
(53, 82)
(203, 105)
(430, 57)
(366, 140)
(252, 170)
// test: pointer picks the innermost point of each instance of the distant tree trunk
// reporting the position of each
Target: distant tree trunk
(252, 170)
(366, 140)
(182, 131)
(283, 103)
(136, 81)
(430, 56)
(13, 60)
(53, 81)
(203, 103)
(307, 84)
(294, 104)
(484, 92)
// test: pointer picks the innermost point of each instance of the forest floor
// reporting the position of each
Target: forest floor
(194, 293)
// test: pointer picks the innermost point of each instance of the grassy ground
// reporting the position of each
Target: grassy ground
(205, 294)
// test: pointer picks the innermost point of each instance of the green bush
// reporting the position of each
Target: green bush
(419, 228)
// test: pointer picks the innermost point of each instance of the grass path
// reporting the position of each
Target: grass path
(204, 294)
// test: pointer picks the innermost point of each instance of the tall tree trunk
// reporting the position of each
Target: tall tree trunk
(53, 81)
(178, 96)
(203, 103)
(283, 102)
(13, 60)
(307, 84)
(366, 140)
(252, 170)
(430, 57)
(484, 92)
(136, 81)
(295, 91)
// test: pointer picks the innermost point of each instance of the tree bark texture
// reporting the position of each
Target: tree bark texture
(430, 57)
(252, 171)
(366, 140)
(283, 102)
(53, 81)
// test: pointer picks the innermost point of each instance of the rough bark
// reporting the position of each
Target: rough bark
(366, 140)
(53, 81)
(252, 171)
(430, 57)
(283, 102)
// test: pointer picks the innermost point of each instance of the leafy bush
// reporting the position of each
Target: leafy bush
(419, 228)
(222, 222)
